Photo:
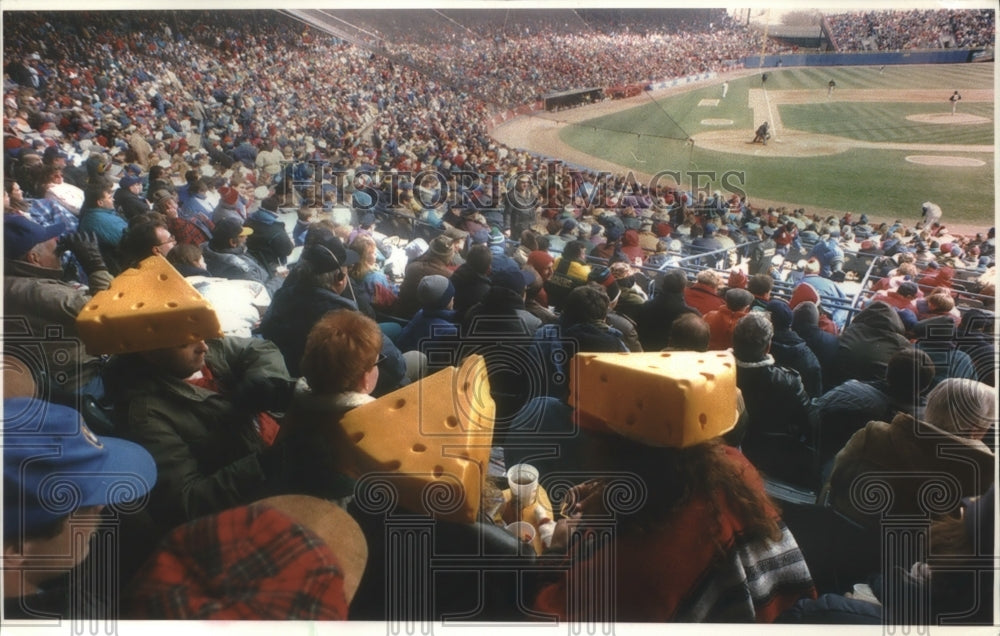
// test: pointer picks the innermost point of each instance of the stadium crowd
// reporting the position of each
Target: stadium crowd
(913, 29)
(350, 218)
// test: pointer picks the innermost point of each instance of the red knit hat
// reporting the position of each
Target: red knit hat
(540, 260)
(802, 293)
(229, 195)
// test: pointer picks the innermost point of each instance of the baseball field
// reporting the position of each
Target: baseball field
(882, 141)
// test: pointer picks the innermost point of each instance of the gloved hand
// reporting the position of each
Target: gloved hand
(88, 254)
(265, 394)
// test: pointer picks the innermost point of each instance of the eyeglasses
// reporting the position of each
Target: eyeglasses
(170, 239)
(381, 358)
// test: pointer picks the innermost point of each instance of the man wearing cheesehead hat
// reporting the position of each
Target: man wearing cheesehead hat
(200, 403)
(57, 478)
(679, 500)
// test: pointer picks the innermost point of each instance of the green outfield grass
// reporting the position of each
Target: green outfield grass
(652, 138)
(881, 122)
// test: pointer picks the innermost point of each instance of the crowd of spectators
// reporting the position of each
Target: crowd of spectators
(342, 260)
(913, 29)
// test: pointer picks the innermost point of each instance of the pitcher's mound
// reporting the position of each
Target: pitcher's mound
(939, 160)
(961, 119)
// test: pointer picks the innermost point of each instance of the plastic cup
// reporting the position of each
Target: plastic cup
(523, 482)
(524, 531)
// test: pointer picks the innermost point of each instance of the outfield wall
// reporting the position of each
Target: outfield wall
(942, 56)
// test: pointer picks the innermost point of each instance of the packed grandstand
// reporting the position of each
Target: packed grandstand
(328, 182)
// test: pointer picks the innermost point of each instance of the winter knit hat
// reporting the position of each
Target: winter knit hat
(802, 293)
(781, 314)
(603, 277)
(435, 291)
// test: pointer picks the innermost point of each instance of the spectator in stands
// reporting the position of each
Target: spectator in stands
(937, 338)
(98, 216)
(194, 230)
(633, 295)
(791, 351)
(830, 255)
(723, 320)
(45, 212)
(520, 205)
(584, 320)
(905, 272)
(689, 332)
(823, 344)
(197, 203)
(631, 248)
(704, 294)
(780, 425)
(975, 338)
(230, 206)
(567, 232)
(201, 409)
(846, 408)
(685, 501)
(184, 192)
(146, 236)
(340, 366)
(760, 286)
(708, 243)
(908, 455)
(938, 303)
(45, 535)
(316, 288)
(868, 343)
(659, 312)
(436, 320)
(54, 187)
(541, 261)
(804, 292)
(159, 179)
(35, 291)
(936, 276)
(502, 316)
(436, 260)
(602, 276)
(269, 242)
(226, 255)
(531, 298)
(127, 201)
(471, 279)
(904, 297)
(367, 277)
(569, 270)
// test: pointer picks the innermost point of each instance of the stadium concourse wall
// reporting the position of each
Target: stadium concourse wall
(935, 56)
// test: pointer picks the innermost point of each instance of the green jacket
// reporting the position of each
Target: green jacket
(209, 455)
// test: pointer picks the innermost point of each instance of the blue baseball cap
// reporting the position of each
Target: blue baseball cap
(53, 464)
(128, 181)
(20, 234)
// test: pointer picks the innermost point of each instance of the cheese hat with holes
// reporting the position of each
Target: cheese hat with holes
(148, 307)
